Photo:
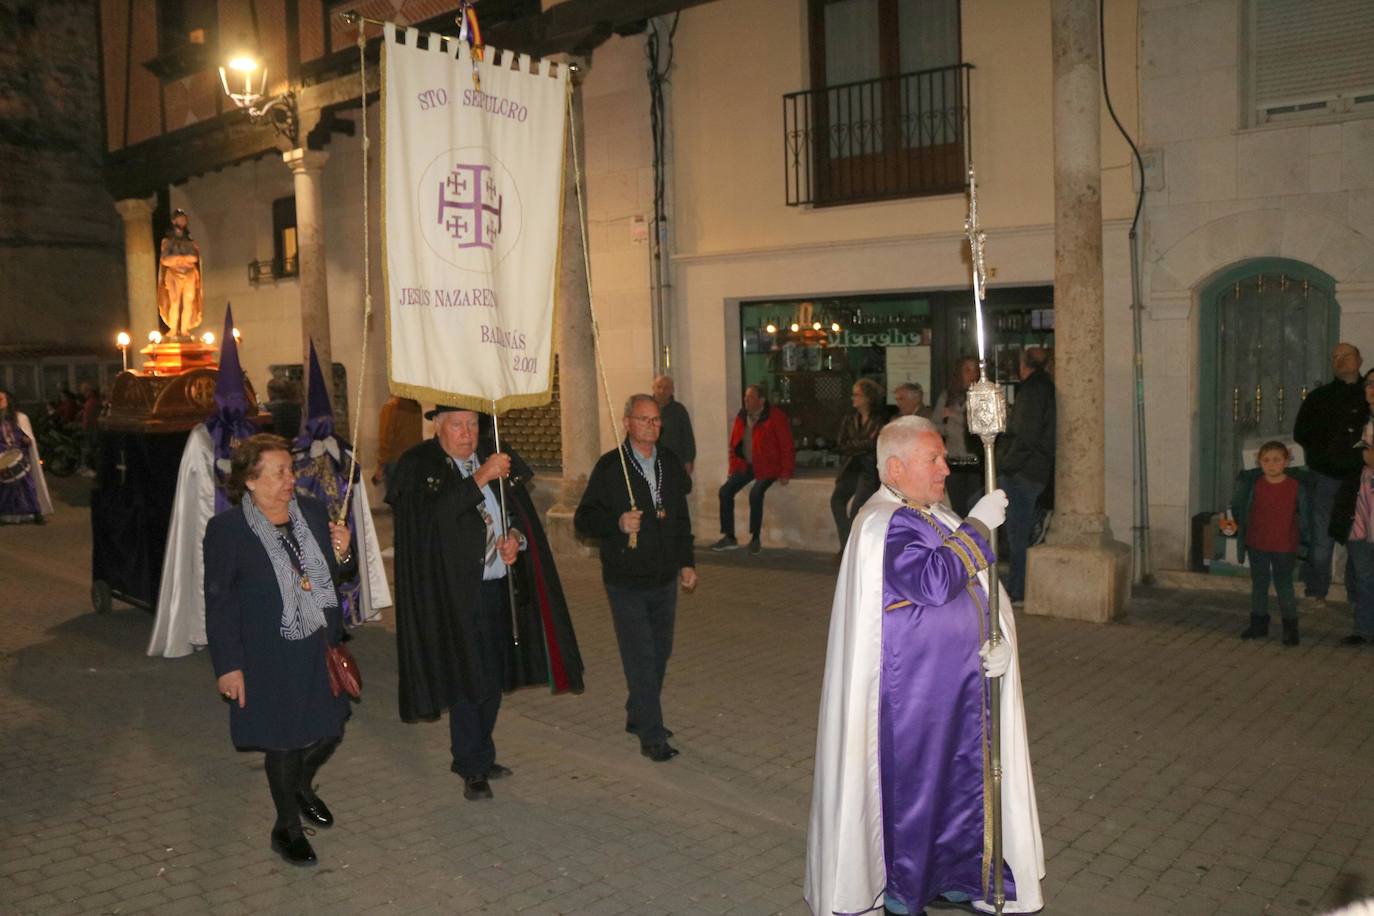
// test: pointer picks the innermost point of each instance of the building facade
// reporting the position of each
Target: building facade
(800, 163)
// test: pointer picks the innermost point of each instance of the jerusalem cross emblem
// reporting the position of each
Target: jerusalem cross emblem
(470, 207)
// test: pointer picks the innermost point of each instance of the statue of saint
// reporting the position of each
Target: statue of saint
(179, 295)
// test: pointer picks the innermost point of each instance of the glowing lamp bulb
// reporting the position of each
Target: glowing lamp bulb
(795, 327)
(208, 338)
(122, 339)
(155, 337)
(835, 326)
(237, 335)
(815, 325)
(771, 328)
(243, 63)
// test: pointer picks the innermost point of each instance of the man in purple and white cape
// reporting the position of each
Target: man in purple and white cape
(899, 805)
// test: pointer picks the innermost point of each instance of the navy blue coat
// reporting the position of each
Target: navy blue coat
(289, 703)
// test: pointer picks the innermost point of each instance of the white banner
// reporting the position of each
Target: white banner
(472, 190)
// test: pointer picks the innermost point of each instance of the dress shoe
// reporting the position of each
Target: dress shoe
(476, 787)
(634, 730)
(314, 809)
(659, 753)
(290, 843)
(498, 772)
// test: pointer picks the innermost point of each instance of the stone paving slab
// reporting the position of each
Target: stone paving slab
(1179, 770)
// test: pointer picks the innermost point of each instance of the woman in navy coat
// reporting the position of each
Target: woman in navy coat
(272, 561)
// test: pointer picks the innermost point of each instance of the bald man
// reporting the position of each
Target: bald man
(677, 425)
(1329, 424)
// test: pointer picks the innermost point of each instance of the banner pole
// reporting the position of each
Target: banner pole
(596, 328)
(367, 287)
(505, 528)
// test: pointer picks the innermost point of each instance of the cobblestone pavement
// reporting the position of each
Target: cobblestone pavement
(1180, 770)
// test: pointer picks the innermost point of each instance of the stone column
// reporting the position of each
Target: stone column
(306, 167)
(580, 402)
(140, 268)
(1080, 572)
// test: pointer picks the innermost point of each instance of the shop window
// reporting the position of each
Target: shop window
(806, 354)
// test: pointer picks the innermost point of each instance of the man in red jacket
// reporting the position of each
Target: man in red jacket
(761, 451)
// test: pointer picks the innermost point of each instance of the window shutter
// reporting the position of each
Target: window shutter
(1308, 53)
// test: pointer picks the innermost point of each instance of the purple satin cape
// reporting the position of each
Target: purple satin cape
(933, 708)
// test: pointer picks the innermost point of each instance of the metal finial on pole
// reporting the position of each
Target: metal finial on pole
(987, 418)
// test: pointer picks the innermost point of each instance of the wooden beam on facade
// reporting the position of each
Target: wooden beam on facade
(579, 26)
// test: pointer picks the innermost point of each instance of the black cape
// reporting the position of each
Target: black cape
(440, 539)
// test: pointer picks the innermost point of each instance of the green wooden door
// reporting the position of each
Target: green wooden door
(1272, 325)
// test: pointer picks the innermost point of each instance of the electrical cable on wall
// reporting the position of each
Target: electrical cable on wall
(659, 50)
(1141, 528)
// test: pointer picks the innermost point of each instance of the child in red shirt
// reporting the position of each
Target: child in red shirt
(1270, 506)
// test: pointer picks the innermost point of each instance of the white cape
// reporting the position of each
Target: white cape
(40, 482)
(179, 628)
(845, 868)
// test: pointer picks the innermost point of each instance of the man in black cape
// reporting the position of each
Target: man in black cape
(455, 643)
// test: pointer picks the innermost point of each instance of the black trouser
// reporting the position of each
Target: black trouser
(290, 772)
(471, 722)
(733, 484)
(644, 619)
(858, 481)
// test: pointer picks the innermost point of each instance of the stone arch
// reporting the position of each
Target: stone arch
(1329, 245)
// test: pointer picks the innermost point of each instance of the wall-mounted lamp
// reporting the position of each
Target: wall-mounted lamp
(122, 341)
(244, 79)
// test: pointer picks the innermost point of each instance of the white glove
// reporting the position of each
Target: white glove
(991, 510)
(996, 659)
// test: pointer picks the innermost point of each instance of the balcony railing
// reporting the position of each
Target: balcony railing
(275, 269)
(898, 136)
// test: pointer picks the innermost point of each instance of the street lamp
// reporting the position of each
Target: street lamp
(244, 79)
(122, 341)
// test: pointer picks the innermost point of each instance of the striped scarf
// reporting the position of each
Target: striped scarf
(302, 612)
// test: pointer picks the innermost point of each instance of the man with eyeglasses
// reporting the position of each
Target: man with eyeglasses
(642, 578)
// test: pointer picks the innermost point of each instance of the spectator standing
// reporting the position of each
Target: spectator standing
(1328, 428)
(1359, 544)
(760, 451)
(284, 404)
(642, 582)
(965, 482)
(858, 443)
(677, 425)
(1270, 513)
(399, 428)
(911, 400)
(1025, 460)
(90, 428)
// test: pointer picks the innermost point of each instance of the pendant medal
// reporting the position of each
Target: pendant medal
(305, 584)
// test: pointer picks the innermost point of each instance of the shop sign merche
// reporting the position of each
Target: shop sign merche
(892, 337)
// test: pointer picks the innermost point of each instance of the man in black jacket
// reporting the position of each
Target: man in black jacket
(642, 580)
(456, 635)
(1328, 428)
(1025, 460)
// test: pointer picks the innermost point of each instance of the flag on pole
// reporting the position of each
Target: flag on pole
(472, 192)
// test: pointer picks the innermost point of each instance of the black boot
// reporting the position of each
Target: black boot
(1258, 629)
(1290, 632)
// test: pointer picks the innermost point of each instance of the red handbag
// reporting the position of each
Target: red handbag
(344, 676)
